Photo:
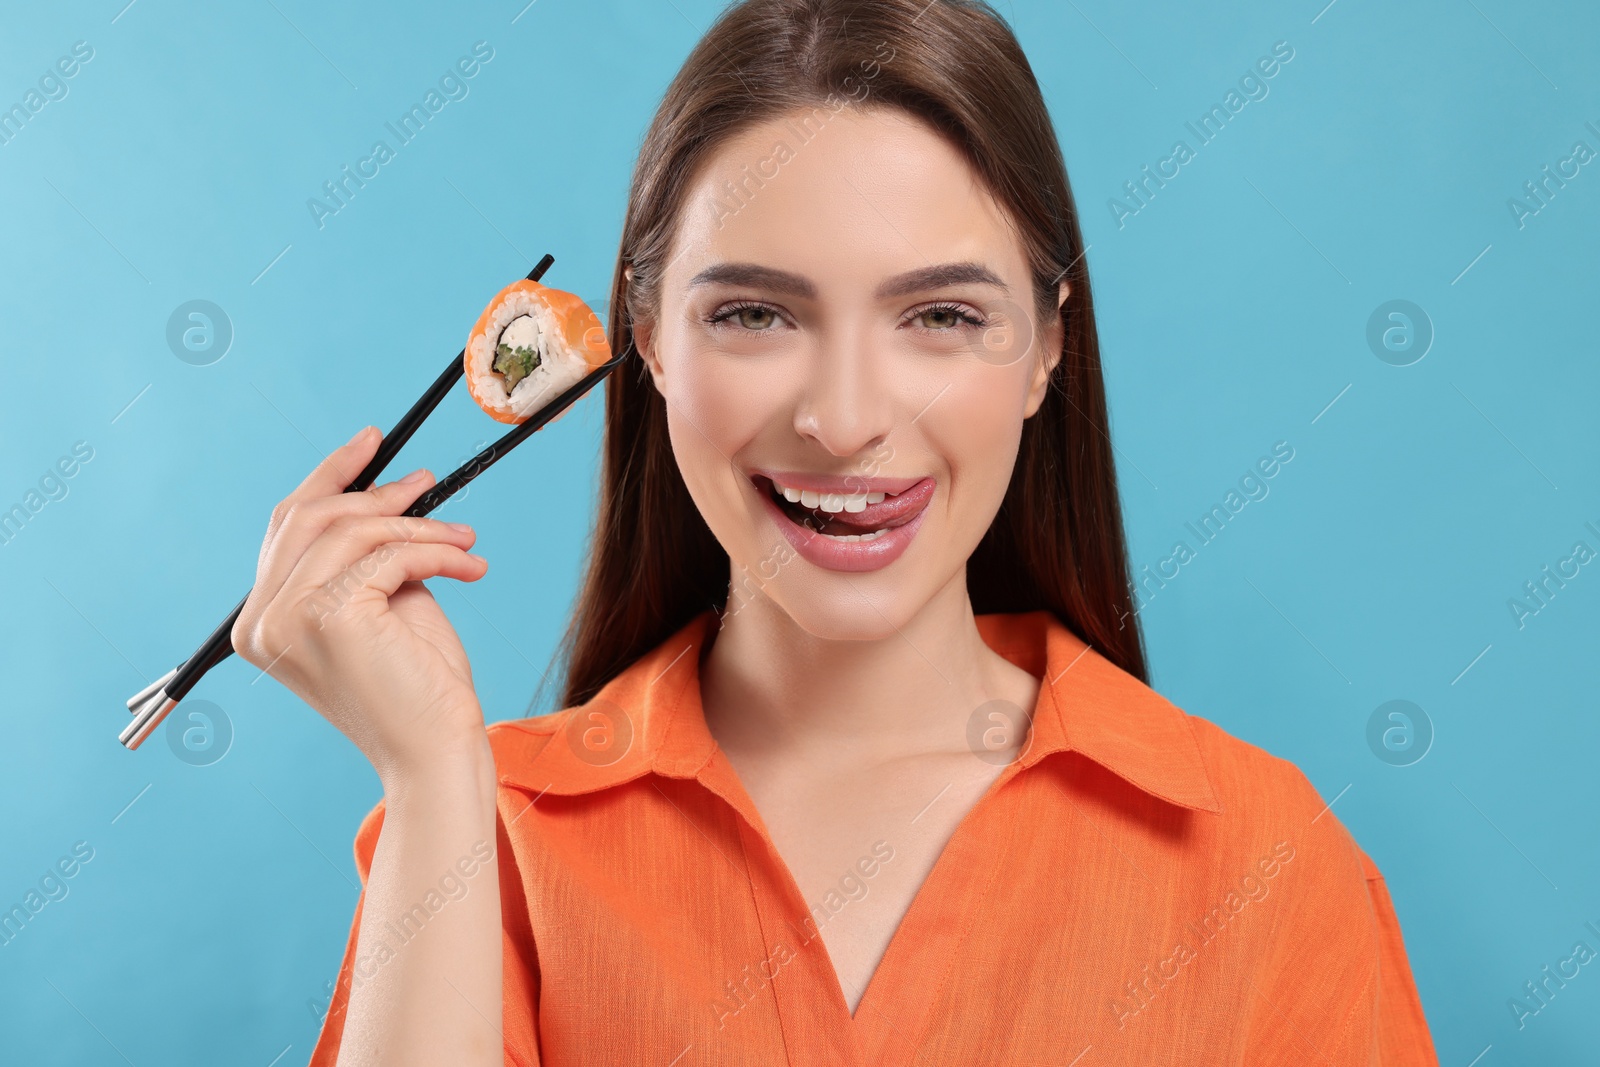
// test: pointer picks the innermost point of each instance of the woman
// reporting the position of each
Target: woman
(858, 513)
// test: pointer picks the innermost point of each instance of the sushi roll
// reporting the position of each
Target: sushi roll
(530, 345)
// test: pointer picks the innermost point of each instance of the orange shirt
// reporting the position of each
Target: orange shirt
(1138, 887)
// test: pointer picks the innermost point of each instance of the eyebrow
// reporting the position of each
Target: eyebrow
(787, 283)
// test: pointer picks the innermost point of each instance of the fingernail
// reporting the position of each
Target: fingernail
(359, 435)
(480, 559)
(414, 477)
(460, 527)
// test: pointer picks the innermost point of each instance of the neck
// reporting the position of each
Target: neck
(770, 688)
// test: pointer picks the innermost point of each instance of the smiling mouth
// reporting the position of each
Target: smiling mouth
(847, 516)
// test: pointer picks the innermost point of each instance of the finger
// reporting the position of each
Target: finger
(329, 559)
(339, 468)
(328, 478)
(379, 574)
(307, 520)
(389, 498)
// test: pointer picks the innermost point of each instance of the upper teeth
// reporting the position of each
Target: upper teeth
(831, 502)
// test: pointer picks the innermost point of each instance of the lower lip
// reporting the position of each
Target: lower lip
(850, 556)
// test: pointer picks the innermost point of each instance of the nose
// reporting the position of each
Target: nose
(847, 405)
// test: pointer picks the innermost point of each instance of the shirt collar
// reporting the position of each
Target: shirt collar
(649, 719)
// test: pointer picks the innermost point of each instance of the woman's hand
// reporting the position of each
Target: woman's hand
(339, 614)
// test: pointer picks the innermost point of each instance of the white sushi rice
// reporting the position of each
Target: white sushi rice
(523, 319)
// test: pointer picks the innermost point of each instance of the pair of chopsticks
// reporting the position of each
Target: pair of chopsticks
(152, 703)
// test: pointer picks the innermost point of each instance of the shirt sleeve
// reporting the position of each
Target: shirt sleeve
(520, 970)
(1402, 1036)
(1334, 988)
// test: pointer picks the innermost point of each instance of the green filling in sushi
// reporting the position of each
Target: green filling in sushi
(514, 364)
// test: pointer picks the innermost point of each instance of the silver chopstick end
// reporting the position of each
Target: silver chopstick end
(146, 719)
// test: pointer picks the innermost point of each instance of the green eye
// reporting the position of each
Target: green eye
(755, 318)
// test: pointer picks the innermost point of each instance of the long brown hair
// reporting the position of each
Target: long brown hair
(1057, 542)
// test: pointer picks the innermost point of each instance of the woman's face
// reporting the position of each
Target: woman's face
(848, 348)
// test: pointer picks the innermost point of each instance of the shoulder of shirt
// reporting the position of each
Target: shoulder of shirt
(1273, 805)
(1259, 786)
(1334, 913)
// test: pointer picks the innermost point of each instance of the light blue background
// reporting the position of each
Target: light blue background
(1233, 311)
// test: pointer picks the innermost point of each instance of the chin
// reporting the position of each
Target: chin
(830, 610)
(831, 605)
